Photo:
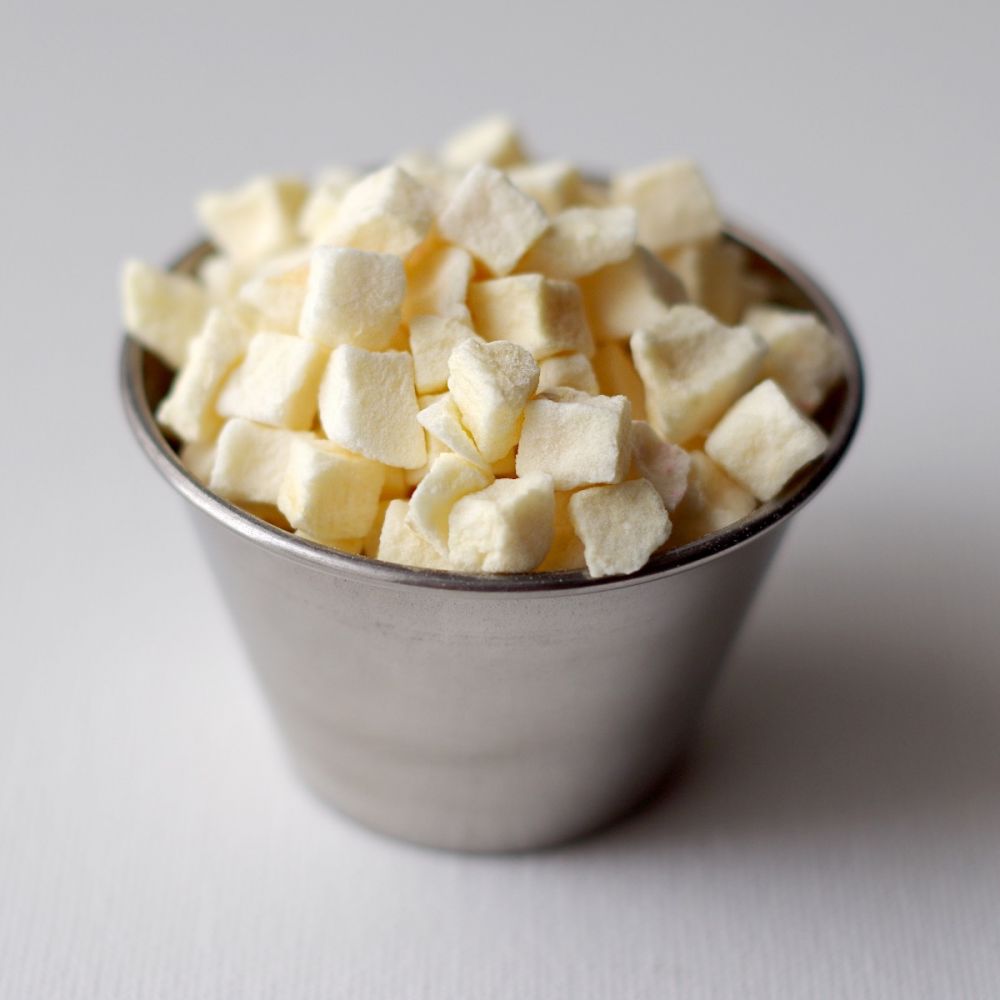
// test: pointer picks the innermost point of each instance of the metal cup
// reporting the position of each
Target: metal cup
(489, 713)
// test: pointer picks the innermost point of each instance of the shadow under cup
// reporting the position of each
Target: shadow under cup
(482, 712)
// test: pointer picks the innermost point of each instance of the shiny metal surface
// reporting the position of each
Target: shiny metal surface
(488, 713)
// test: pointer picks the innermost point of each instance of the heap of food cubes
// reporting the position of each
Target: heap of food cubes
(476, 363)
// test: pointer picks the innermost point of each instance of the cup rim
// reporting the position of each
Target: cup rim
(764, 518)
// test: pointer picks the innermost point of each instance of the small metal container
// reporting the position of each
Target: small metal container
(489, 713)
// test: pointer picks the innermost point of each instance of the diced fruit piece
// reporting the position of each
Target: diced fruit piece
(694, 368)
(620, 526)
(712, 502)
(163, 311)
(555, 185)
(328, 493)
(198, 459)
(399, 543)
(664, 464)
(438, 283)
(353, 297)
(442, 420)
(763, 440)
(449, 478)
(432, 339)
(713, 274)
(368, 405)
(491, 219)
(493, 140)
(572, 371)
(583, 240)
(576, 439)
(250, 461)
(545, 317)
(505, 528)
(566, 551)
(491, 384)
(278, 289)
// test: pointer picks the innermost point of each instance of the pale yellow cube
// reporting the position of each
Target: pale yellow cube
(616, 375)
(804, 357)
(163, 311)
(277, 290)
(256, 220)
(576, 439)
(368, 405)
(694, 368)
(583, 240)
(443, 422)
(320, 208)
(620, 526)
(353, 297)
(369, 545)
(554, 184)
(505, 528)
(438, 178)
(714, 276)
(666, 465)
(572, 371)
(491, 219)
(545, 317)
(222, 277)
(198, 459)
(674, 203)
(624, 297)
(449, 478)
(712, 502)
(490, 385)
(493, 140)
(277, 382)
(763, 440)
(328, 493)
(189, 408)
(566, 551)
(399, 543)
(250, 461)
(432, 339)
(386, 212)
(438, 283)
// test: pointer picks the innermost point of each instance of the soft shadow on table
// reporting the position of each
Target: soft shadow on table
(839, 723)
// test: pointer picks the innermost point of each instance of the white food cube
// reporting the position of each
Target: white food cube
(438, 283)
(250, 461)
(543, 316)
(491, 219)
(566, 551)
(491, 384)
(635, 293)
(443, 422)
(386, 212)
(555, 185)
(353, 297)
(222, 277)
(320, 208)
(713, 274)
(439, 178)
(432, 339)
(449, 478)
(694, 368)
(616, 375)
(198, 459)
(277, 382)
(493, 140)
(189, 408)
(674, 203)
(804, 357)
(328, 493)
(163, 311)
(278, 290)
(505, 528)
(620, 526)
(399, 543)
(664, 464)
(763, 440)
(256, 220)
(576, 439)
(583, 240)
(712, 501)
(573, 371)
(368, 405)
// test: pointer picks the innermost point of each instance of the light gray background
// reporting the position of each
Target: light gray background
(838, 832)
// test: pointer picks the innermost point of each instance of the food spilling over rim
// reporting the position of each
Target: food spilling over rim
(144, 380)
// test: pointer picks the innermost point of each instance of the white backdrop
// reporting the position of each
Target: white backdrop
(837, 833)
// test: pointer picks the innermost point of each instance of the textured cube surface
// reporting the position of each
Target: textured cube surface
(437, 283)
(664, 464)
(443, 421)
(573, 371)
(582, 240)
(432, 339)
(449, 478)
(399, 543)
(712, 502)
(493, 140)
(250, 461)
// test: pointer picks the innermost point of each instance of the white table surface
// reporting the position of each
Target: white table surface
(838, 831)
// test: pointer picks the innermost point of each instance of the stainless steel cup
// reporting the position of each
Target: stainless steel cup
(489, 713)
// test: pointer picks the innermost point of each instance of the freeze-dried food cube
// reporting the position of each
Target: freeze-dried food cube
(437, 284)
(250, 461)
(491, 219)
(278, 289)
(664, 464)
(620, 526)
(763, 440)
(545, 317)
(449, 478)
(505, 528)
(276, 383)
(163, 311)
(328, 493)
(399, 543)
(572, 371)
(320, 208)
(353, 297)
(198, 459)
(582, 240)
(712, 502)
(493, 140)
(555, 185)
(432, 339)
(443, 422)
(566, 551)
(694, 368)
(368, 405)
(714, 276)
